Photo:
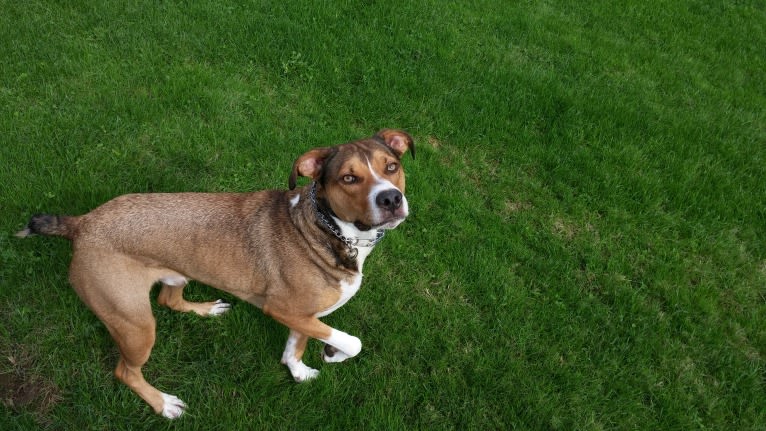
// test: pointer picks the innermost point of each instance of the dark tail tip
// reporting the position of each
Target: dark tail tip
(46, 224)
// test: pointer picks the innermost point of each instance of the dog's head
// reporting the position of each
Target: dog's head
(362, 181)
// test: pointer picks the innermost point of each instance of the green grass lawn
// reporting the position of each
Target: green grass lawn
(587, 243)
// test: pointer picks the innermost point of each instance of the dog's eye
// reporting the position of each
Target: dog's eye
(350, 179)
(392, 167)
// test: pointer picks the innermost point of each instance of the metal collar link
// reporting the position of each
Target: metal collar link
(351, 243)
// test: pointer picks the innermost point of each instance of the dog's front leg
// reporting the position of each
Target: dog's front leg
(344, 345)
(293, 357)
(331, 354)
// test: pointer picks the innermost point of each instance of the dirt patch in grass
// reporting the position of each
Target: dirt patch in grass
(434, 142)
(515, 206)
(565, 229)
(22, 388)
(569, 229)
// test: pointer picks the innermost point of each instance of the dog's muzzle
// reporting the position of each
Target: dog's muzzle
(390, 209)
(389, 200)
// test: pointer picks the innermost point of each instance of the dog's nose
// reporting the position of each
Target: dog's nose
(389, 200)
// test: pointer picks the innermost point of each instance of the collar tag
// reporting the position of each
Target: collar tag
(351, 243)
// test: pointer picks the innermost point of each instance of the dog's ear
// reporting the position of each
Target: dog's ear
(397, 140)
(309, 164)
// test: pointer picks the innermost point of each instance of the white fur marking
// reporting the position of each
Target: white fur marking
(289, 353)
(382, 185)
(172, 407)
(337, 357)
(300, 371)
(347, 290)
(294, 201)
(347, 344)
(174, 280)
(350, 231)
(23, 233)
(219, 308)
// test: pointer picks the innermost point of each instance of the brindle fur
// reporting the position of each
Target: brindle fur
(257, 246)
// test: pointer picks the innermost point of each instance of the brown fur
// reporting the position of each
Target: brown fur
(256, 246)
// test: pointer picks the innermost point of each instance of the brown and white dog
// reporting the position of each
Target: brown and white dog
(296, 254)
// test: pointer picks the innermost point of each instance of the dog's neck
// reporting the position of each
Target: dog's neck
(358, 241)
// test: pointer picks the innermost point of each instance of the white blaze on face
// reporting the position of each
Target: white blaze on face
(378, 215)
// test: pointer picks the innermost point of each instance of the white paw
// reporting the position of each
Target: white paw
(338, 356)
(301, 372)
(354, 347)
(218, 308)
(172, 407)
(341, 346)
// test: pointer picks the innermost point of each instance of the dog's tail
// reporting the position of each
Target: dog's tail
(46, 224)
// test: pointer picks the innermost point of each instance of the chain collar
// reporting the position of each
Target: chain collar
(351, 243)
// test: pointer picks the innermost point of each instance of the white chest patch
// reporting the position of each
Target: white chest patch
(294, 201)
(348, 288)
(350, 231)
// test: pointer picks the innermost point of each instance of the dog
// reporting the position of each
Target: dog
(296, 254)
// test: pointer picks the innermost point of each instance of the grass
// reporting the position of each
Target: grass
(586, 248)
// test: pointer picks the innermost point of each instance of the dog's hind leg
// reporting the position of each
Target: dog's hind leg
(135, 343)
(171, 296)
(117, 289)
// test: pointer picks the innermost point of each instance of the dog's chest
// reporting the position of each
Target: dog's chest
(348, 289)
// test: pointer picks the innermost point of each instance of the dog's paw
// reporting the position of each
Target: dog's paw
(340, 346)
(331, 354)
(351, 347)
(172, 407)
(301, 372)
(219, 307)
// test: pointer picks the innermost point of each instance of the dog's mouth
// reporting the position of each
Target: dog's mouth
(384, 213)
(390, 223)
(384, 219)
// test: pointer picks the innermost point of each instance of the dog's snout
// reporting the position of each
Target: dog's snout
(389, 199)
